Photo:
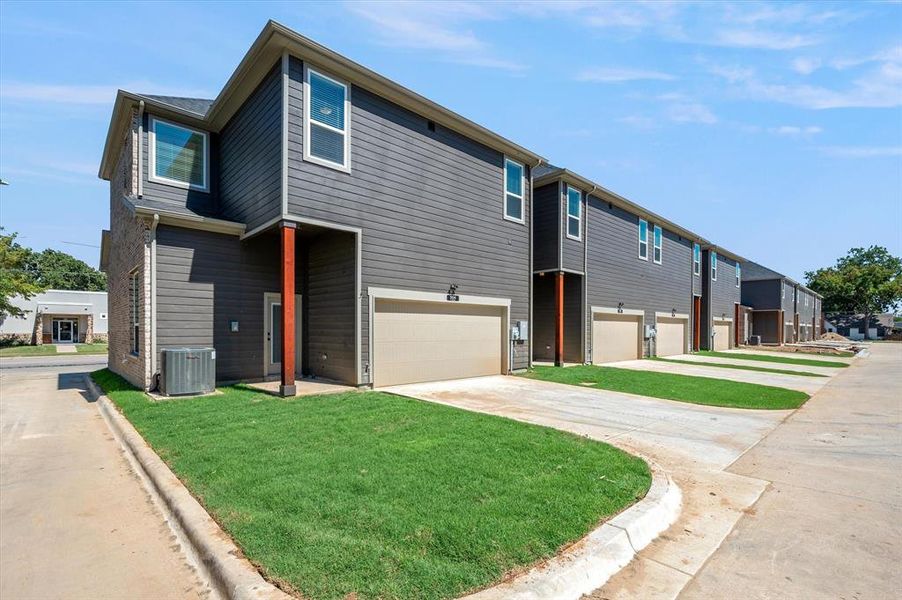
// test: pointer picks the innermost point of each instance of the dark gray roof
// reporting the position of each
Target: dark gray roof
(198, 106)
(752, 271)
(543, 170)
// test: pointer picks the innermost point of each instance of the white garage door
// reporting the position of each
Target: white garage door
(431, 341)
(721, 335)
(671, 336)
(615, 337)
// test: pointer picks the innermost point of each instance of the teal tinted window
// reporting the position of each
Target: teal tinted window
(179, 154)
(327, 102)
(513, 190)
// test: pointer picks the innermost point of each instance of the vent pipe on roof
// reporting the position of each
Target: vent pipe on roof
(140, 148)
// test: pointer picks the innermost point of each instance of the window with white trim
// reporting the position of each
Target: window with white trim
(658, 241)
(134, 311)
(713, 266)
(643, 239)
(696, 259)
(784, 290)
(179, 155)
(327, 112)
(738, 273)
(574, 213)
(806, 300)
(513, 190)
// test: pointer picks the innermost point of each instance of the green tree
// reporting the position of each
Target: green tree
(15, 280)
(52, 269)
(866, 280)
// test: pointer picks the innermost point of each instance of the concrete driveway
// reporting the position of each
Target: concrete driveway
(809, 385)
(695, 444)
(75, 520)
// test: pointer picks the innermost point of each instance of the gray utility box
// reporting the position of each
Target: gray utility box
(754, 340)
(187, 371)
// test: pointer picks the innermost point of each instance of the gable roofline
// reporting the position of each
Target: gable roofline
(768, 274)
(275, 39)
(552, 174)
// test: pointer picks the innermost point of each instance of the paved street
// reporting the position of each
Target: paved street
(75, 520)
(830, 523)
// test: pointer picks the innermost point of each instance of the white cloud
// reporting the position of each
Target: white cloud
(764, 40)
(795, 130)
(862, 151)
(84, 94)
(638, 121)
(691, 113)
(619, 75)
(438, 26)
(805, 66)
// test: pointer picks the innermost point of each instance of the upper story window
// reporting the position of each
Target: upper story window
(738, 273)
(658, 244)
(783, 286)
(574, 213)
(806, 300)
(643, 239)
(713, 266)
(179, 156)
(513, 190)
(326, 121)
(696, 259)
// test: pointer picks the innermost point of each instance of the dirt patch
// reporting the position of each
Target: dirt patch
(831, 336)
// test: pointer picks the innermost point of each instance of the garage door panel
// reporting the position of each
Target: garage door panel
(721, 335)
(615, 338)
(671, 336)
(424, 341)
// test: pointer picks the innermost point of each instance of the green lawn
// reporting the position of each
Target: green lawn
(740, 367)
(50, 350)
(837, 354)
(371, 495)
(788, 360)
(670, 386)
(97, 348)
(42, 350)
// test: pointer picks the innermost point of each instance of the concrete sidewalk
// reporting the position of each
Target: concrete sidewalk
(830, 524)
(75, 520)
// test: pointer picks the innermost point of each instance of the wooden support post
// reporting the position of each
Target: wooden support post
(559, 319)
(287, 231)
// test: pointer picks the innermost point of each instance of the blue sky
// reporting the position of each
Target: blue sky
(773, 129)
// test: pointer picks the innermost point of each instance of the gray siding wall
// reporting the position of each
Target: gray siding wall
(430, 205)
(546, 228)
(806, 313)
(329, 320)
(205, 280)
(572, 251)
(203, 203)
(617, 274)
(762, 294)
(724, 293)
(787, 303)
(543, 317)
(250, 157)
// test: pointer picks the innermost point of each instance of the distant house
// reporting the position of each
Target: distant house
(852, 325)
(58, 317)
(783, 310)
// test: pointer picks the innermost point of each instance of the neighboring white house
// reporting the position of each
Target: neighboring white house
(58, 317)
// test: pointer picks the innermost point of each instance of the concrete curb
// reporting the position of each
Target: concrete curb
(211, 550)
(590, 562)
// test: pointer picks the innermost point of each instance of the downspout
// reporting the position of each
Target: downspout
(586, 314)
(531, 265)
(153, 296)
(141, 149)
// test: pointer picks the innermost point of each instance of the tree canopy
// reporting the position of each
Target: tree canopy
(865, 280)
(14, 278)
(24, 272)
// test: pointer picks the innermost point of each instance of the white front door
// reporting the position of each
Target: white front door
(65, 331)
(272, 341)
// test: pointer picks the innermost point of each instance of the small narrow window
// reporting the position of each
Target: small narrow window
(513, 190)
(178, 155)
(738, 273)
(783, 287)
(326, 121)
(134, 306)
(713, 266)
(574, 213)
(658, 244)
(696, 259)
(643, 239)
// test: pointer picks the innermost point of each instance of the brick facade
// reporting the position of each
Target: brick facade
(130, 238)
